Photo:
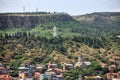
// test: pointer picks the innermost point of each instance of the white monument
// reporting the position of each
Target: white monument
(55, 31)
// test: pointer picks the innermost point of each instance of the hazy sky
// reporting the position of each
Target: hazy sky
(73, 7)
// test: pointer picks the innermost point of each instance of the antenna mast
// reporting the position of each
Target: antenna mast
(36, 9)
(24, 8)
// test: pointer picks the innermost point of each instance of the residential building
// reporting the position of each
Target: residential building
(25, 72)
(4, 73)
(51, 65)
(67, 66)
(113, 76)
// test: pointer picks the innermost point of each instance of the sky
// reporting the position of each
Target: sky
(72, 7)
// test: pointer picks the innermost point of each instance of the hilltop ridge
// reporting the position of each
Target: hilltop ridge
(30, 20)
(100, 20)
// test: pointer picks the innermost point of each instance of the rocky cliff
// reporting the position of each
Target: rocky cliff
(29, 20)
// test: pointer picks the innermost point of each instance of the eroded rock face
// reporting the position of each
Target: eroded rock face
(30, 20)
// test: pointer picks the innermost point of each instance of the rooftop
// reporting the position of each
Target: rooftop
(93, 77)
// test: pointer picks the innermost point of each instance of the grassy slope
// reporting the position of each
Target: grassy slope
(34, 49)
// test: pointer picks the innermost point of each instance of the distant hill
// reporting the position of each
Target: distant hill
(104, 21)
(107, 23)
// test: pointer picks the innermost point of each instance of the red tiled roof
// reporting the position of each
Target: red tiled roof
(103, 64)
(92, 77)
(112, 67)
(5, 77)
(37, 74)
(112, 75)
(2, 68)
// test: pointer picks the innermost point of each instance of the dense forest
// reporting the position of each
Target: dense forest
(29, 37)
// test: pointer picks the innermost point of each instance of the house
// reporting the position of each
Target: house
(113, 76)
(50, 73)
(51, 65)
(59, 71)
(3, 69)
(4, 73)
(117, 61)
(103, 64)
(24, 76)
(67, 66)
(43, 76)
(14, 78)
(25, 72)
(39, 67)
(23, 69)
(37, 75)
(5, 77)
(112, 68)
(26, 63)
(55, 74)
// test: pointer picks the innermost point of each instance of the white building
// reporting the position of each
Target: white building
(55, 31)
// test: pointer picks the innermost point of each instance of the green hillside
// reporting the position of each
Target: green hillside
(103, 22)
(31, 37)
